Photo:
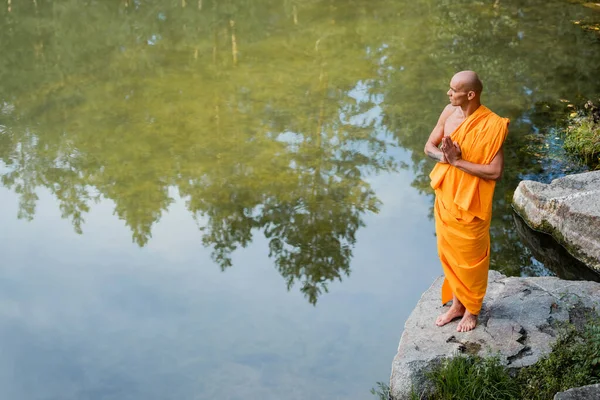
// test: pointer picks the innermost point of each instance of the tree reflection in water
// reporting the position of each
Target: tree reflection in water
(266, 115)
(199, 100)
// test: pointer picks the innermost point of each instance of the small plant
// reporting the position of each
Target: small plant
(382, 392)
(582, 136)
(592, 336)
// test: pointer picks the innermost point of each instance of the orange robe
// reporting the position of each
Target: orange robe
(463, 210)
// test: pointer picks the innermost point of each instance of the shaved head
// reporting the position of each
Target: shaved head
(467, 81)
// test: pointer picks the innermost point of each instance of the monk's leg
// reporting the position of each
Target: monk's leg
(456, 310)
(467, 323)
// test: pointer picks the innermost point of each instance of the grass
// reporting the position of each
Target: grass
(582, 136)
(473, 378)
(574, 361)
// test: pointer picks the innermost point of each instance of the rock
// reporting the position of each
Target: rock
(569, 209)
(590, 392)
(518, 322)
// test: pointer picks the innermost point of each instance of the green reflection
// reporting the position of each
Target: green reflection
(266, 115)
(252, 114)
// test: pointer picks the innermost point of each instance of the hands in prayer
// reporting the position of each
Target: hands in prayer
(450, 150)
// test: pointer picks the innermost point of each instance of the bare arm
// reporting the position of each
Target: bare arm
(436, 136)
(491, 171)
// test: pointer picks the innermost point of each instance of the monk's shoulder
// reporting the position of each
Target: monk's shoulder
(447, 112)
(495, 128)
(495, 117)
(496, 120)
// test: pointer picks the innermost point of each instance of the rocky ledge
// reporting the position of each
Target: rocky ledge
(518, 322)
(568, 209)
(589, 392)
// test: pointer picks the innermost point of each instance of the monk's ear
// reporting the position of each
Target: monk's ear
(471, 95)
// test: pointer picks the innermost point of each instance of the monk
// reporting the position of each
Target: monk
(467, 145)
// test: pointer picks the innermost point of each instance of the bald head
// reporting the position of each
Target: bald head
(465, 91)
(467, 81)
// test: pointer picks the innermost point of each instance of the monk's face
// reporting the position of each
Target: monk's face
(457, 93)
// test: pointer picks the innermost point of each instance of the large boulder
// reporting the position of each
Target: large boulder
(590, 392)
(518, 322)
(569, 209)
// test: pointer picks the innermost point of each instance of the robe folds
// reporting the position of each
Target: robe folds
(463, 210)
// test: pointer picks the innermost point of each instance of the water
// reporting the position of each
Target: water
(229, 200)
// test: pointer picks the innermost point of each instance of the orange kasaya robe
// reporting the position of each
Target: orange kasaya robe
(463, 210)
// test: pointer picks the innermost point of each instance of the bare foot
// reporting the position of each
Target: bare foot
(467, 323)
(455, 311)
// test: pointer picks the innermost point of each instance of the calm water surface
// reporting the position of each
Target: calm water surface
(229, 200)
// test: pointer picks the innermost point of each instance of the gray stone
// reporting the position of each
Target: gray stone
(518, 323)
(590, 392)
(569, 209)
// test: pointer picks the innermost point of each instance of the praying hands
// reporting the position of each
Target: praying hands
(450, 150)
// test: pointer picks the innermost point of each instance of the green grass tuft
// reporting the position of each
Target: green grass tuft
(582, 136)
(473, 378)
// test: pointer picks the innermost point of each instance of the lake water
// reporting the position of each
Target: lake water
(229, 199)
